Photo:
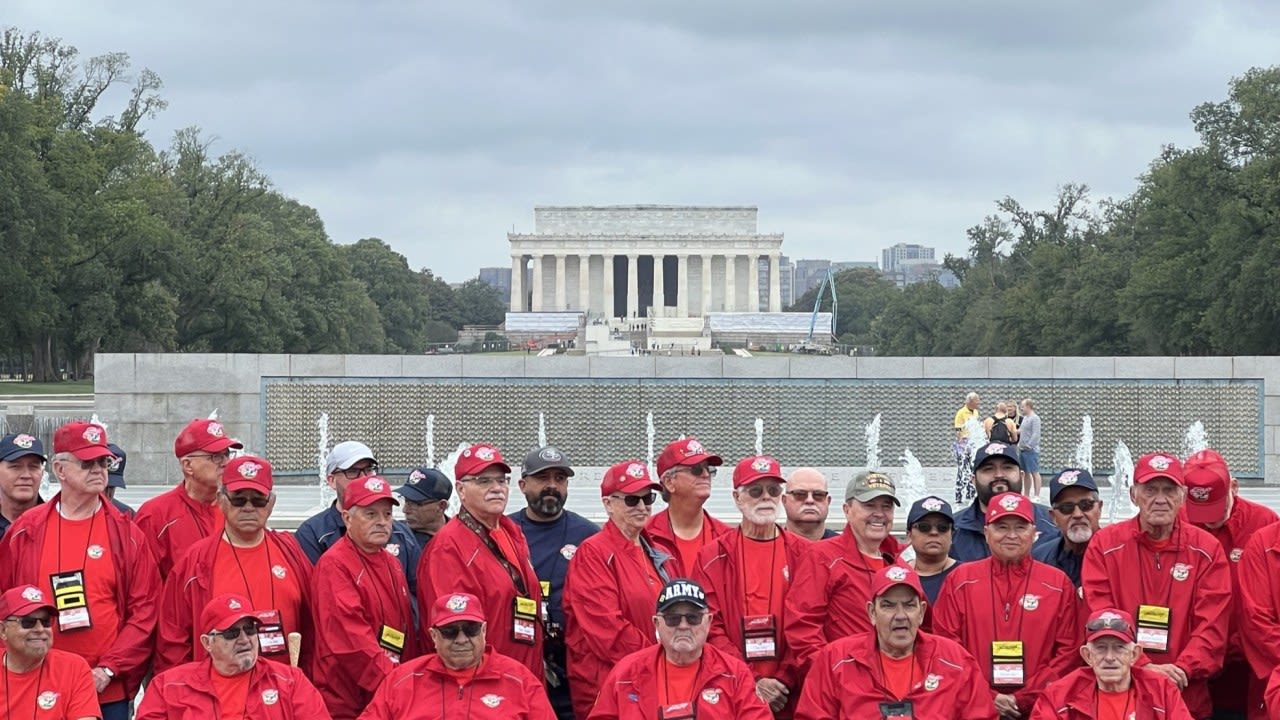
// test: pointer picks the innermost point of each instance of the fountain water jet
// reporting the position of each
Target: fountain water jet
(649, 432)
(327, 495)
(1084, 448)
(1121, 506)
(1195, 440)
(914, 483)
(430, 440)
(759, 436)
(872, 435)
(542, 430)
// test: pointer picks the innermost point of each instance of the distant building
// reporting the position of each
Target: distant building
(891, 258)
(843, 265)
(807, 274)
(786, 281)
(498, 278)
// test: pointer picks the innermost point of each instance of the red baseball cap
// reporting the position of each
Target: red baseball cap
(367, 491)
(478, 458)
(224, 611)
(893, 575)
(456, 607)
(85, 440)
(687, 451)
(1158, 465)
(1010, 503)
(1109, 622)
(203, 436)
(23, 600)
(1208, 484)
(247, 473)
(628, 478)
(756, 467)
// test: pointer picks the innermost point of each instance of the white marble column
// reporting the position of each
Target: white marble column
(561, 284)
(633, 286)
(775, 284)
(607, 269)
(706, 284)
(730, 283)
(682, 286)
(584, 282)
(659, 286)
(517, 283)
(536, 305)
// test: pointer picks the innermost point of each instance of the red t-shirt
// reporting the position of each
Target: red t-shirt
(231, 692)
(63, 679)
(899, 674)
(688, 549)
(85, 545)
(875, 562)
(675, 682)
(1115, 705)
(263, 576)
(763, 562)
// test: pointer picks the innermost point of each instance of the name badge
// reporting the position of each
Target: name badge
(1007, 663)
(1153, 627)
(270, 632)
(901, 709)
(678, 711)
(71, 601)
(524, 621)
(545, 585)
(391, 641)
(759, 637)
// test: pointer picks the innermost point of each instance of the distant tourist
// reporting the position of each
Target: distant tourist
(1029, 448)
(960, 447)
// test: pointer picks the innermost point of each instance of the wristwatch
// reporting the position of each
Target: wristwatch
(109, 673)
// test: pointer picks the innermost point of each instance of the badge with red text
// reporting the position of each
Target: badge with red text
(71, 601)
(759, 637)
(1153, 628)
(1007, 663)
(524, 621)
(270, 632)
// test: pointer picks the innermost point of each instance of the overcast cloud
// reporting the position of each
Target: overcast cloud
(852, 125)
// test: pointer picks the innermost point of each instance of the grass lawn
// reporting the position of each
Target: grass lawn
(79, 387)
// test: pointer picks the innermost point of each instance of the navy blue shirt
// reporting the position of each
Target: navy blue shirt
(969, 543)
(829, 534)
(319, 532)
(551, 544)
(1054, 552)
(933, 583)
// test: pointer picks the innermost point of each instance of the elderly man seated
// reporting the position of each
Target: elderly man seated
(39, 681)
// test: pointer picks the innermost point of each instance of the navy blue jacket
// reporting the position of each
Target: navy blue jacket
(968, 543)
(319, 532)
(1054, 552)
(551, 544)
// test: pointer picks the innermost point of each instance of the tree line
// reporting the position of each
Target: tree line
(111, 244)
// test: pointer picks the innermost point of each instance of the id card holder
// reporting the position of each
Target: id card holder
(678, 711)
(546, 600)
(270, 633)
(900, 709)
(759, 637)
(524, 621)
(71, 601)
(391, 641)
(1007, 663)
(1153, 628)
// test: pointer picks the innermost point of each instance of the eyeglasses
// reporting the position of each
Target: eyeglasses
(926, 527)
(756, 490)
(802, 495)
(1067, 508)
(242, 500)
(700, 469)
(450, 632)
(353, 473)
(30, 621)
(216, 458)
(102, 463)
(673, 619)
(485, 481)
(634, 500)
(233, 633)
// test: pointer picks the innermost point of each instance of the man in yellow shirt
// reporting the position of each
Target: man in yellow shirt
(964, 475)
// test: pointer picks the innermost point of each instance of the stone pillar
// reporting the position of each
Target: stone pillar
(659, 286)
(775, 284)
(517, 283)
(706, 284)
(562, 286)
(633, 286)
(607, 267)
(682, 286)
(730, 283)
(536, 305)
(584, 282)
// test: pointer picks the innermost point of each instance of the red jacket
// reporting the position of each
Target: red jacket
(137, 584)
(188, 590)
(659, 528)
(846, 682)
(276, 692)
(828, 597)
(172, 522)
(457, 561)
(1074, 697)
(1123, 570)
(608, 608)
(722, 689)
(1259, 582)
(422, 689)
(720, 575)
(1272, 695)
(1042, 613)
(352, 599)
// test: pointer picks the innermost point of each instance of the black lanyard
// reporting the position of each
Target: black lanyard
(1008, 603)
(270, 583)
(8, 711)
(84, 561)
(360, 554)
(517, 578)
(1168, 589)
(884, 679)
(773, 568)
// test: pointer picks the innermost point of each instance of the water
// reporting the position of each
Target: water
(447, 465)
(430, 440)
(649, 431)
(1121, 506)
(94, 419)
(327, 495)
(872, 434)
(542, 430)
(914, 483)
(214, 415)
(1195, 440)
(1084, 448)
(759, 436)
(977, 438)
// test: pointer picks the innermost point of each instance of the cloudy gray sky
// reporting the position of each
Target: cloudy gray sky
(851, 124)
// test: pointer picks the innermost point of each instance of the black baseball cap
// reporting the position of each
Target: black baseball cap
(996, 449)
(425, 484)
(544, 458)
(1071, 477)
(16, 445)
(681, 590)
(929, 505)
(115, 471)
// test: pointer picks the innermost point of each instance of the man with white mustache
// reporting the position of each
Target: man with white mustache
(1077, 511)
(746, 574)
(996, 469)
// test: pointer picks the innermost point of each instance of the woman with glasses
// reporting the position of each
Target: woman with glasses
(612, 583)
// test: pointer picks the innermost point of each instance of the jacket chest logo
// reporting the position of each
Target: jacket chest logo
(1030, 602)
(491, 700)
(1180, 571)
(94, 552)
(47, 699)
(931, 682)
(711, 695)
(270, 696)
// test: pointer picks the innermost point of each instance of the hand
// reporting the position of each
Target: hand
(773, 692)
(100, 679)
(1007, 706)
(1171, 671)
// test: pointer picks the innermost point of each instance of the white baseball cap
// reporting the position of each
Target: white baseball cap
(345, 454)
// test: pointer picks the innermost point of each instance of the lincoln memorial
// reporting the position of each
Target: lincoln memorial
(626, 260)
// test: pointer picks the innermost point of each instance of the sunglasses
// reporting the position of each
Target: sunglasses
(926, 527)
(802, 495)
(217, 458)
(1068, 508)
(755, 491)
(450, 632)
(700, 469)
(242, 500)
(102, 463)
(634, 500)
(673, 619)
(30, 621)
(1111, 623)
(233, 633)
